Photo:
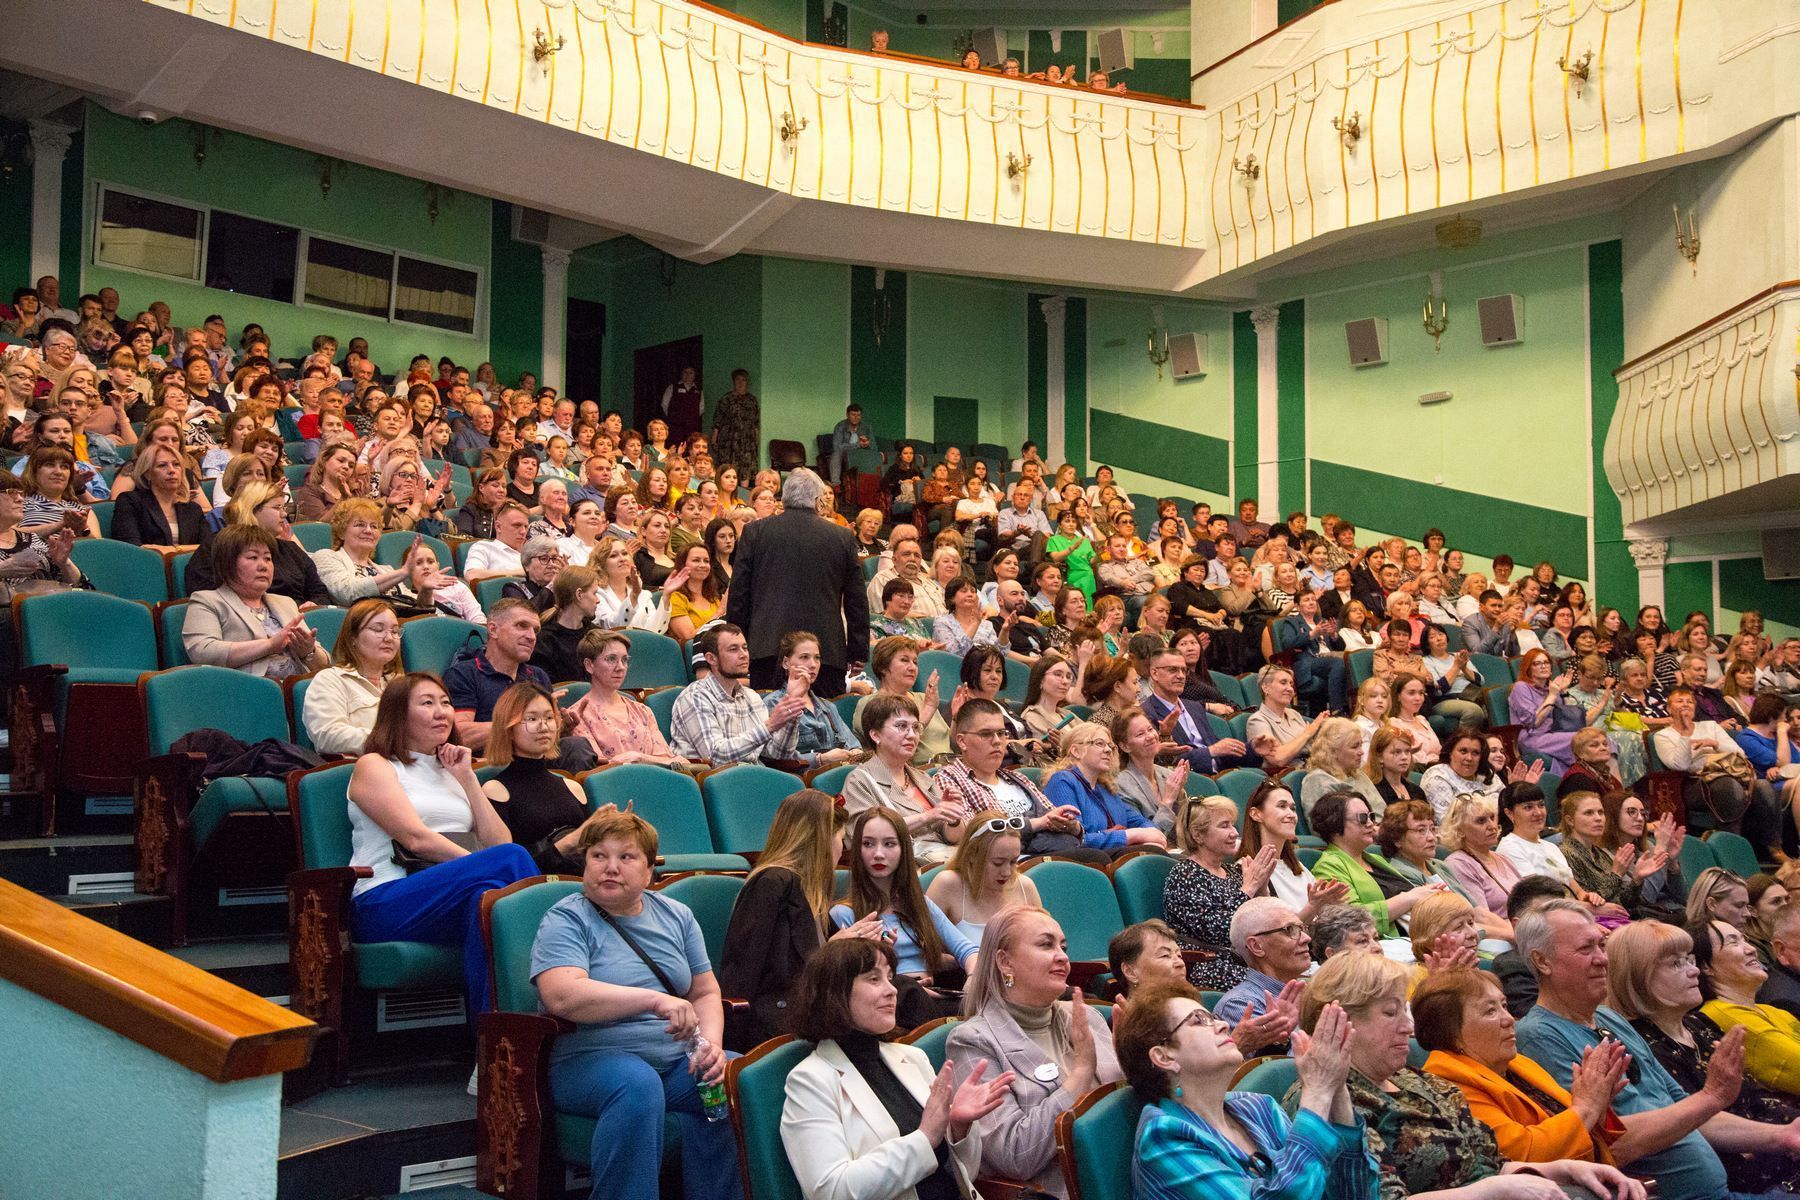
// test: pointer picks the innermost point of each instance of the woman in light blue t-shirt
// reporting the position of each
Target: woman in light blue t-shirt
(628, 966)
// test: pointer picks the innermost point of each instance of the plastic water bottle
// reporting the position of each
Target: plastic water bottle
(712, 1095)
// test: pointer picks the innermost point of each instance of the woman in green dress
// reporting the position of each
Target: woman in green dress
(1070, 549)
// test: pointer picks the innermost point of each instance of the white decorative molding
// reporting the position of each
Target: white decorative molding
(1709, 414)
(1649, 552)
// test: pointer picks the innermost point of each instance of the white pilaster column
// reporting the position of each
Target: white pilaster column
(556, 316)
(1268, 413)
(1055, 439)
(1651, 555)
(49, 145)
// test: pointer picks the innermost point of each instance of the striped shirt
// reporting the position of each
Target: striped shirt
(1181, 1157)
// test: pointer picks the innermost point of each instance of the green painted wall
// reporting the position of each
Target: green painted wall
(1742, 586)
(1370, 418)
(1075, 394)
(721, 303)
(1037, 371)
(966, 338)
(782, 16)
(878, 364)
(1291, 408)
(1615, 574)
(1123, 381)
(805, 380)
(517, 295)
(279, 183)
(1686, 586)
(1244, 423)
(15, 218)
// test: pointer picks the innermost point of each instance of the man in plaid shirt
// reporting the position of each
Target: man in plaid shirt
(720, 719)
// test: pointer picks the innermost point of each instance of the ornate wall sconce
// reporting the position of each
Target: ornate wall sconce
(1250, 169)
(542, 47)
(790, 128)
(1687, 241)
(1436, 322)
(1350, 131)
(1577, 72)
(1016, 166)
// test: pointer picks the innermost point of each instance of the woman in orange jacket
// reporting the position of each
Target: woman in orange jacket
(1460, 1016)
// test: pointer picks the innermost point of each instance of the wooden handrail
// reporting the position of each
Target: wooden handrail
(188, 1016)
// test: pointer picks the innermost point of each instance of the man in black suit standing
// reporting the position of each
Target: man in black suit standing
(797, 570)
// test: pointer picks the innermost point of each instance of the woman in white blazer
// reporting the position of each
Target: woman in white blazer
(241, 623)
(867, 1119)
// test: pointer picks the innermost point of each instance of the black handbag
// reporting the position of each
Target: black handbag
(412, 863)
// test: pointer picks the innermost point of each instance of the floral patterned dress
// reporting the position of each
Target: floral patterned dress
(1199, 906)
(1751, 1173)
(1422, 1134)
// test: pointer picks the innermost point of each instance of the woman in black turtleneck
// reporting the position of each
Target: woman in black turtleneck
(543, 811)
(866, 1118)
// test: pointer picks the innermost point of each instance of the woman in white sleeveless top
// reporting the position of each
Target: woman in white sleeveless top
(414, 795)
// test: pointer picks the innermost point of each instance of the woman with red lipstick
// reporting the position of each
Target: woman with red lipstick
(1057, 1051)
(431, 840)
(884, 880)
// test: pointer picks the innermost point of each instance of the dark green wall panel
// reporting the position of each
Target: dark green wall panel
(1686, 586)
(1290, 412)
(1193, 459)
(1075, 413)
(1615, 574)
(1243, 406)
(1037, 371)
(955, 419)
(516, 291)
(15, 218)
(1480, 524)
(878, 369)
(1742, 586)
(74, 177)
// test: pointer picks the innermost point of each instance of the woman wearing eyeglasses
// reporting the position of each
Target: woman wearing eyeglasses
(1343, 819)
(545, 812)
(1657, 977)
(1199, 1141)
(983, 875)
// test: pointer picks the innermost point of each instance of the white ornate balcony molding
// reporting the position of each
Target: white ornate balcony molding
(1711, 413)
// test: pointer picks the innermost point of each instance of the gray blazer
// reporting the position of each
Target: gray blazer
(1018, 1139)
(872, 785)
(217, 618)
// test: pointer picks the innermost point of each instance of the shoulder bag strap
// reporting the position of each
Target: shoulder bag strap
(639, 951)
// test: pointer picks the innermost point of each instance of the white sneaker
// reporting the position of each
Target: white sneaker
(475, 1081)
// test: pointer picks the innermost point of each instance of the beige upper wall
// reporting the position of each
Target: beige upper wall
(1749, 222)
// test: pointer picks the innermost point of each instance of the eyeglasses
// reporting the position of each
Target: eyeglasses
(1199, 1018)
(988, 735)
(1362, 818)
(1680, 962)
(1291, 932)
(1000, 825)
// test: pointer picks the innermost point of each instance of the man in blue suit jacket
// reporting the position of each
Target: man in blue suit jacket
(1315, 668)
(1182, 722)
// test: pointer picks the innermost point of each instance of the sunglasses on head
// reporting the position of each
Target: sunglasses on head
(1001, 825)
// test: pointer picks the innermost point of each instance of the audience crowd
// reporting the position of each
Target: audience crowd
(1475, 945)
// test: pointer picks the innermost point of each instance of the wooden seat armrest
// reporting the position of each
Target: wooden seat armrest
(515, 1126)
(1082, 975)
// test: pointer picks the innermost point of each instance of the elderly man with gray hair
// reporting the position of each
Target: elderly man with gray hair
(796, 570)
(1263, 1010)
(1670, 1136)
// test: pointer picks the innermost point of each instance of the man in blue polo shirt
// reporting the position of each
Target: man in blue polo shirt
(477, 681)
(1670, 1136)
